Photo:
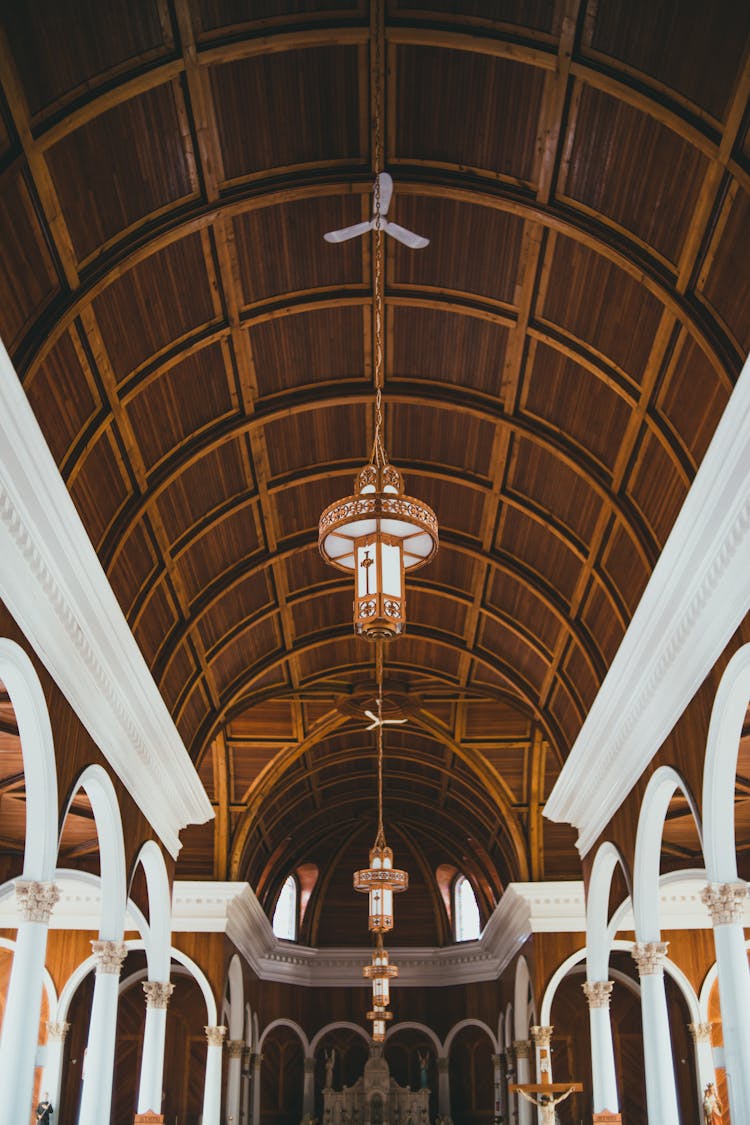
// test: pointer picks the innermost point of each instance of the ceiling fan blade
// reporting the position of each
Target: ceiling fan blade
(349, 232)
(408, 237)
(386, 191)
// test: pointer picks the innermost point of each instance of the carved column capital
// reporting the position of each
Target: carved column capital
(215, 1035)
(521, 1048)
(56, 1032)
(35, 901)
(700, 1032)
(309, 1064)
(598, 992)
(649, 956)
(235, 1047)
(541, 1035)
(109, 956)
(158, 993)
(442, 1064)
(725, 902)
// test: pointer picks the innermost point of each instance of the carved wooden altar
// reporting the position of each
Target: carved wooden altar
(376, 1099)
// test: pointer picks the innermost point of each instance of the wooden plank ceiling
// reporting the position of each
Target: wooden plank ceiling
(200, 362)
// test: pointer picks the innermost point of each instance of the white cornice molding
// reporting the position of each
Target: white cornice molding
(233, 908)
(697, 595)
(53, 584)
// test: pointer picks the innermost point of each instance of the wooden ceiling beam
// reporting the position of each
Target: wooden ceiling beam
(40, 174)
(222, 790)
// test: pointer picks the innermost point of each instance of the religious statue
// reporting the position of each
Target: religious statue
(424, 1062)
(546, 1104)
(330, 1060)
(712, 1108)
(44, 1111)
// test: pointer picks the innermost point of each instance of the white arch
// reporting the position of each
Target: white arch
(248, 1028)
(508, 1025)
(331, 1027)
(283, 1022)
(412, 1025)
(708, 982)
(599, 932)
(49, 984)
(158, 935)
(469, 1023)
(236, 998)
(97, 784)
(521, 989)
(37, 747)
(722, 748)
(86, 966)
(618, 945)
(663, 784)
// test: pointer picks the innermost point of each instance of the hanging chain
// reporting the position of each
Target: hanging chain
(380, 838)
(378, 456)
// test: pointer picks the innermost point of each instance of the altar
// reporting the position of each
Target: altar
(376, 1099)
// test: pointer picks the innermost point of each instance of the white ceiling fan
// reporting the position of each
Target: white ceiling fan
(401, 234)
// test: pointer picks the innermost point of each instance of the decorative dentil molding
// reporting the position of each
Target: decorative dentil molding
(54, 585)
(696, 597)
(158, 993)
(598, 993)
(215, 1035)
(35, 901)
(725, 902)
(109, 956)
(56, 1032)
(700, 1032)
(649, 957)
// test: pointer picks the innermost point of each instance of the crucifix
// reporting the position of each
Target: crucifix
(366, 564)
(546, 1101)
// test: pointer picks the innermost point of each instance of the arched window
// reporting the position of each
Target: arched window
(465, 910)
(285, 914)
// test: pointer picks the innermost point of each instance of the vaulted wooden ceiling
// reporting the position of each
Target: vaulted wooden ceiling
(200, 362)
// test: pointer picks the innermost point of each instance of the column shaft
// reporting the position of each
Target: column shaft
(20, 1033)
(96, 1097)
(603, 1062)
(152, 1060)
(661, 1093)
(257, 1059)
(734, 998)
(234, 1080)
(212, 1083)
(52, 1074)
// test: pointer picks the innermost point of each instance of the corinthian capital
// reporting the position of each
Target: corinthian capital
(521, 1048)
(215, 1035)
(541, 1035)
(598, 992)
(649, 956)
(725, 902)
(158, 993)
(235, 1048)
(700, 1032)
(56, 1032)
(35, 900)
(109, 956)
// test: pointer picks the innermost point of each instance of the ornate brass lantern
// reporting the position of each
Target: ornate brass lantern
(377, 534)
(380, 973)
(381, 880)
(379, 1017)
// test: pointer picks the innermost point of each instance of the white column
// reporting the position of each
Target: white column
(245, 1096)
(523, 1074)
(20, 1035)
(52, 1073)
(257, 1059)
(235, 1047)
(212, 1084)
(96, 1097)
(726, 902)
(444, 1088)
(541, 1038)
(151, 1085)
(308, 1090)
(661, 1092)
(700, 1033)
(497, 1078)
(511, 1100)
(598, 994)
